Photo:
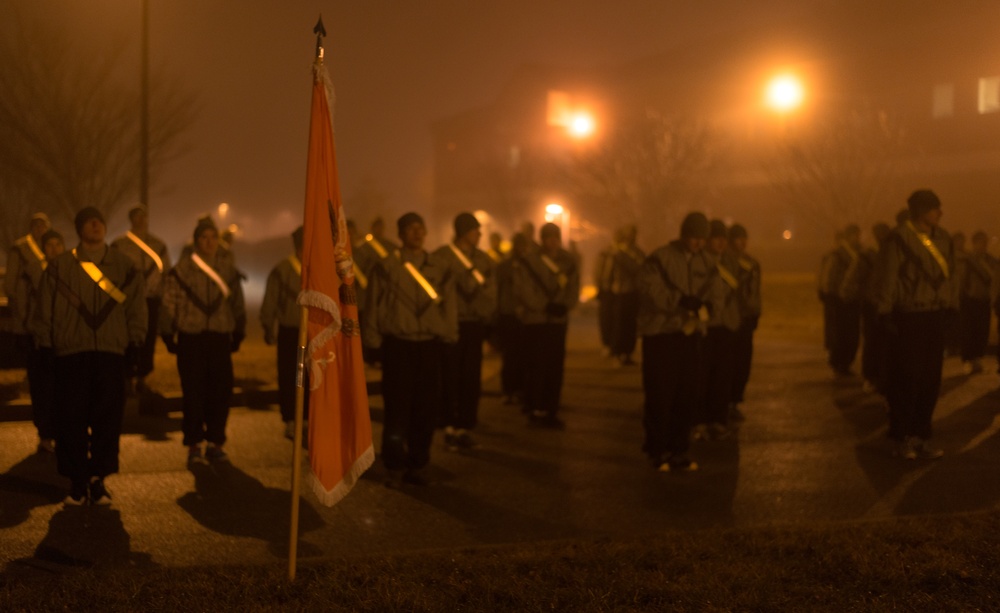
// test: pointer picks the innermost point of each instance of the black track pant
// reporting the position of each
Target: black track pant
(545, 358)
(463, 365)
(90, 395)
(288, 358)
(205, 365)
(916, 354)
(411, 391)
(671, 364)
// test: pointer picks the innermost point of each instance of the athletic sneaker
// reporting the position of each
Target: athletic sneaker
(48, 445)
(77, 494)
(195, 456)
(464, 440)
(214, 453)
(679, 463)
(290, 429)
(99, 494)
(904, 449)
(923, 451)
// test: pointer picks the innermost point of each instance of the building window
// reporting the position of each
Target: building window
(989, 95)
(943, 103)
(514, 156)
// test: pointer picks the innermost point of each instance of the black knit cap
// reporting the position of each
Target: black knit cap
(737, 231)
(204, 223)
(85, 215)
(921, 201)
(695, 225)
(717, 229)
(49, 235)
(408, 218)
(465, 222)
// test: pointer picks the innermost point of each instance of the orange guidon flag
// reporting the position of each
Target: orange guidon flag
(340, 430)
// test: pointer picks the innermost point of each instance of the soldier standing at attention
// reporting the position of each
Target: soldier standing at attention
(24, 255)
(412, 310)
(915, 289)
(368, 252)
(546, 286)
(203, 321)
(150, 254)
(974, 301)
(720, 339)
(476, 290)
(92, 313)
(677, 290)
(750, 306)
(280, 312)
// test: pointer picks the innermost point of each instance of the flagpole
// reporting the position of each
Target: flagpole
(293, 539)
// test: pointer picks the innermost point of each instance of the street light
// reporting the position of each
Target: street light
(581, 125)
(784, 93)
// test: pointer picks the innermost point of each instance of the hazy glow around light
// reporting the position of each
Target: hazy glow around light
(223, 210)
(553, 209)
(787, 235)
(785, 93)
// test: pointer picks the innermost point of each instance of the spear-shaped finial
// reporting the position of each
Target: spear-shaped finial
(320, 32)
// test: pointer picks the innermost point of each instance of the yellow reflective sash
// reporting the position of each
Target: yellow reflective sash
(727, 276)
(931, 248)
(551, 265)
(214, 276)
(495, 255)
(850, 251)
(296, 264)
(149, 250)
(424, 283)
(37, 251)
(468, 265)
(102, 282)
(359, 276)
(377, 246)
(746, 264)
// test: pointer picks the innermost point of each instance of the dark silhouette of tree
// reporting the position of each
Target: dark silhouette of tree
(649, 168)
(69, 124)
(841, 167)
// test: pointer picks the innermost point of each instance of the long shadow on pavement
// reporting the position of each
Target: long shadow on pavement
(231, 502)
(30, 483)
(84, 537)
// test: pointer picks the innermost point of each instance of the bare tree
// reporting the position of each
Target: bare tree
(69, 124)
(841, 168)
(645, 170)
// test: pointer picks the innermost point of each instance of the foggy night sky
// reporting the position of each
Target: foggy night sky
(397, 67)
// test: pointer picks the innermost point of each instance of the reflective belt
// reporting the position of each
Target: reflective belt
(931, 247)
(296, 264)
(102, 282)
(424, 283)
(214, 276)
(560, 277)
(359, 276)
(468, 265)
(377, 246)
(149, 250)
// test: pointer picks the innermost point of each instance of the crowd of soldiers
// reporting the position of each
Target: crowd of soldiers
(907, 300)
(88, 320)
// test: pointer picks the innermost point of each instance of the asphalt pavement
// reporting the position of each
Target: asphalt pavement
(811, 449)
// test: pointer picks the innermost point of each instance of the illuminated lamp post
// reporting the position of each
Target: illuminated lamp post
(784, 93)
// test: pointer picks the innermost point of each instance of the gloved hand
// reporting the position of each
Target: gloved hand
(690, 303)
(133, 354)
(269, 335)
(237, 340)
(170, 342)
